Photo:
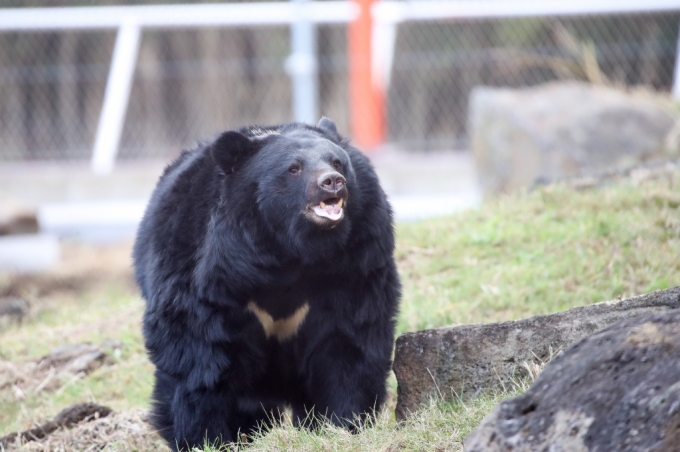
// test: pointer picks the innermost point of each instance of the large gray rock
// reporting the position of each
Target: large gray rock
(617, 390)
(470, 358)
(541, 134)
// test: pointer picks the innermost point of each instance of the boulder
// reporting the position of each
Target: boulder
(617, 390)
(470, 358)
(523, 136)
(16, 218)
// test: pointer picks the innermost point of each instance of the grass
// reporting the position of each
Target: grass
(539, 253)
(90, 317)
(441, 426)
(518, 256)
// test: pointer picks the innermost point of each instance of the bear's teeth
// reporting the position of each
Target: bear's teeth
(340, 203)
(322, 205)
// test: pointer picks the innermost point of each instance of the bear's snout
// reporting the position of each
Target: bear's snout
(332, 182)
(326, 200)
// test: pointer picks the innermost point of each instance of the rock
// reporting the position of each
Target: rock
(541, 134)
(617, 390)
(633, 175)
(67, 418)
(14, 308)
(54, 371)
(16, 218)
(470, 358)
(75, 359)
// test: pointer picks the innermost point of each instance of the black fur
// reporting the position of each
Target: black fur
(224, 227)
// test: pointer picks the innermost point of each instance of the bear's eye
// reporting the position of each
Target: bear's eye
(294, 169)
(337, 164)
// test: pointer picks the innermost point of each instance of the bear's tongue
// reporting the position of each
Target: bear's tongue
(330, 211)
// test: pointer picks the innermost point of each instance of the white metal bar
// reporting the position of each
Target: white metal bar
(383, 41)
(116, 96)
(283, 13)
(675, 90)
(397, 11)
(301, 65)
(233, 14)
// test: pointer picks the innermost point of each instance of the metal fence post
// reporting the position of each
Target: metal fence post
(301, 65)
(675, 89)
(118, 86)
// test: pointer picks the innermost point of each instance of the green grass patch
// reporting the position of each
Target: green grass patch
(540, 253)
(441, 426)
(90, 317)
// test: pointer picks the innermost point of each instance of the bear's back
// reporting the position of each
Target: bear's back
(175, 219)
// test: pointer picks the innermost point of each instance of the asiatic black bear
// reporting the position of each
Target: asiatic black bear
(266, 261)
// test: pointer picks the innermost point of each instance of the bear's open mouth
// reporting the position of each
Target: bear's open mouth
(330, 208)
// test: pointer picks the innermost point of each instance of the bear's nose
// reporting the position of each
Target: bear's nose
(331, 182)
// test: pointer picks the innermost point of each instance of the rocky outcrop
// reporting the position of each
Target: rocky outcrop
(469, 358)
(545, 133)
(617, 390)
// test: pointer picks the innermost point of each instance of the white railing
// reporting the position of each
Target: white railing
(130, 20)
(154, 16)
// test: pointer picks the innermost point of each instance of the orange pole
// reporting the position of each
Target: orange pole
(367, 110)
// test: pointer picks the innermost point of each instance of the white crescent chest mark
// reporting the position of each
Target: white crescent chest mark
(281, 329)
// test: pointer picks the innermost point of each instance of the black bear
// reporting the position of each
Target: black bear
(266, 261)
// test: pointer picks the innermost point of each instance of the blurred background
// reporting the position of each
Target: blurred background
(97, 96)
(191, 82)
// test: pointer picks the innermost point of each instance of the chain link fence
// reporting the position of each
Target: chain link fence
(192, 83)
(437, 64)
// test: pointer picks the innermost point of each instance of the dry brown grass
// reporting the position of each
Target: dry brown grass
(126, 431)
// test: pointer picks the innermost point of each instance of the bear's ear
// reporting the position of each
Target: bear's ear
(328, 125)
(231, 150)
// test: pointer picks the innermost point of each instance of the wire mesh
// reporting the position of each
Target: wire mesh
(51, 86)
(437, 64)
(192, 83)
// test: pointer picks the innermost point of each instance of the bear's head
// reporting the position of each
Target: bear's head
(297, 179)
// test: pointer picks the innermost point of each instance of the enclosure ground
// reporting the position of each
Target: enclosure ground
(534, 253)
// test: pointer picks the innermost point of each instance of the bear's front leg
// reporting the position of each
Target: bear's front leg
(203, 389)
(189, 418)
(202, 415)
(344, 381)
